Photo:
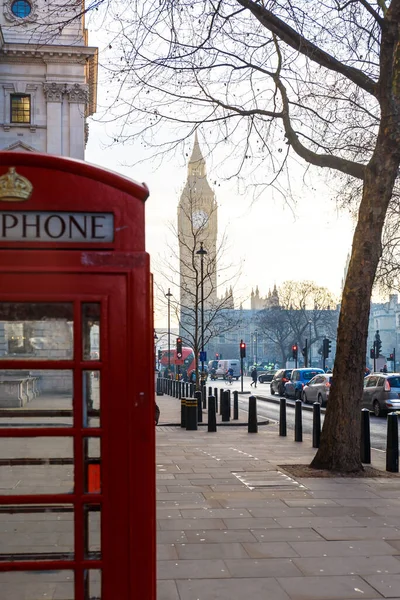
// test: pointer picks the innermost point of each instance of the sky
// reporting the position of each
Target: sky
(267, 239)
(274, 238)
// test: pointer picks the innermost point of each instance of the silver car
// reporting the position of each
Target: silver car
(381, 393)
(317, 389)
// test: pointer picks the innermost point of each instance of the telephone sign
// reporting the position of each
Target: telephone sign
(56, 226)
(77, 450)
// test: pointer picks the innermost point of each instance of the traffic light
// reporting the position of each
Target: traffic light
(294, 351)
(242, 349)
(326, 347)
(391, 356)
(304, 351)
(179, 347)
(378, 346)
(159, 354)
(372, 353)
(216, 356)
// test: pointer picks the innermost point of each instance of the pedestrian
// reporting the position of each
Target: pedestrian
(157, 414)
(384, 370)
(253, 375)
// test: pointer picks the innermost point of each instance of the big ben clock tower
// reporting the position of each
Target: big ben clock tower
(197, 228)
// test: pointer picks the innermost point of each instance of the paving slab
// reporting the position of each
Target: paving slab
(356, 565)
(231, 589)
(387, 585)
(327, 588)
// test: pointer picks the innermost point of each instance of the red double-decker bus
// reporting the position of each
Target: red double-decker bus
(186, 363)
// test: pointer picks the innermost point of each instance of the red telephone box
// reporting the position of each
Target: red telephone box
(77, 460)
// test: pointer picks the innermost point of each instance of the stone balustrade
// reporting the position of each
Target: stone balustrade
(17, 390)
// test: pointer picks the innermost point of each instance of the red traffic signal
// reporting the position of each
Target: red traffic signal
(217, 356)
(242, 349)
(294, 351)
(391, 356)
(179, 347)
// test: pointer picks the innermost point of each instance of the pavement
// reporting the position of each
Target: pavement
(232, 523)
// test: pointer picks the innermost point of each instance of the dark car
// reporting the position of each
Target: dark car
(298, 379)
(381, 393)
(266, 377)
(278, 381)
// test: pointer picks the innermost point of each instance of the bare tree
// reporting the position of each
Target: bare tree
(303, 307)
(319, 80)
(274, 325)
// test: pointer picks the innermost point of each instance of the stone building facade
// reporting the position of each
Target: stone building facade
(48, 77)
(269, 301)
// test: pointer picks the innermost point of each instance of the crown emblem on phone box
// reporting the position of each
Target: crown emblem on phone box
(14, 187)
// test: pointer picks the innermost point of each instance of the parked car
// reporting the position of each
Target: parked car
(278, 381)
(381, 393)
(317, 389)
(299, 378)
(266, 377)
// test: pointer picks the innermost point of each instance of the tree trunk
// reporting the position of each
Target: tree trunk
(340, 439)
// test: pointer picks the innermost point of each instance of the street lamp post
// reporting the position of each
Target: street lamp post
(202, 253)
(310, 323)
(155, 349)
(168, 296)
(256, 346)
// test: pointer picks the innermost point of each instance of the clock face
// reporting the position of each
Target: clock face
(199, 219)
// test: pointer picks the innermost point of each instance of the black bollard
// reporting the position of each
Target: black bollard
(282, 417)
(316, 430)
(392, 443)
(197, 395)
(216, 399)
(365, 442)
(252, 426)
(191, 390)
(177, 389)
(229, 403)
(183, 412)
(209, 390)
(298, 426)
(225, 406)
(191, 414)
(235, 405)
(212, 416)
(173, 388)
(204, 396)
(187, 390)
(221, 395)
(180, 389)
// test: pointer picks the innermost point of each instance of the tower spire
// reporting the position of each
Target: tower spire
(197, 164)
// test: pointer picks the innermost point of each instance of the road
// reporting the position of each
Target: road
(268, 406)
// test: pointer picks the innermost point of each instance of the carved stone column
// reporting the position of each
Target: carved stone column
(78, 93)
(78, 96)
(53, 93)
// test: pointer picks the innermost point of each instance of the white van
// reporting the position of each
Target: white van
(224, 365)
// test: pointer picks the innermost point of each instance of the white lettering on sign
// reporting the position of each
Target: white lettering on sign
(56, 227)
